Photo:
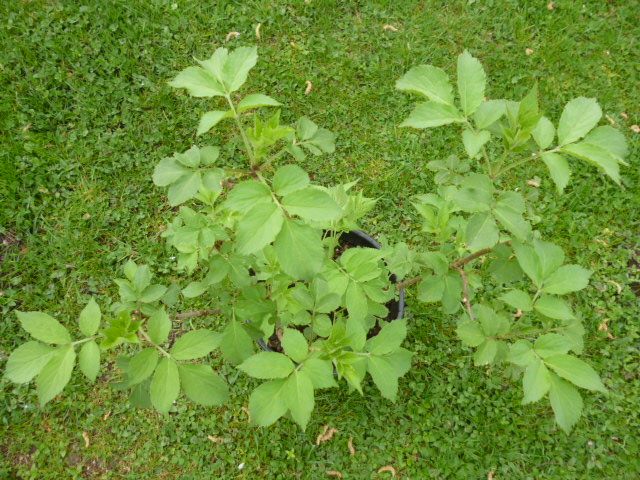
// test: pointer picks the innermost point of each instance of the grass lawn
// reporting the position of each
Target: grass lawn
(85, 114)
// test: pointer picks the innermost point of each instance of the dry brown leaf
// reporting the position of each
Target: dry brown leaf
(258, 31)
(215, 439)
(518, 313)
(352, 451)
(528, 51)
(334, 473)
(231, 36)
(534, 182)
(106, 416)
(307, 90)
(388, 468)
(610, 119)
(85, 435)
(326, 435)
(624, 115)
(490, 475)
(635, 128)
(389, 28)
(246, 410)
(551, 6)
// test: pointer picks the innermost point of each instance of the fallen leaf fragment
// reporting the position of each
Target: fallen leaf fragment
(534, 182)
(258, 31)
(326, 435)
(635, 128)
(215, 439)
(246, 410)
(85, 435)
(106, 416)
(334, 473)
(231, 36)
(551, 6)
(610, 119)
(624, 115)
(307, 90)
(388, 468)
(352, 451)
(491, 473)
(528, 51)
(389, 28)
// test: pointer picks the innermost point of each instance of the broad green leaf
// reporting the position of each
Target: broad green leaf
(388, 339)
(312, 204)
(432, 114)
(558, 169)
(596, 155)
(508, 211)
(579, 116)
(486, 352)
(384, 375)
(267, 403)
(518, 299)
(567, 279)
(56, 373)
(43, 327)
(529, 262)
(289, 178)
(488, 113)
(152, 293)
(201, 385)
(610, 139)
(211, 119)
(474, 141)
(554, 307)
(185, 188)
(452, 294)
(198, 82)
(245, 195)
(142, 365)
(471, 82)
(258, 228)
(209, 155)
(256, 100)
(521, 353)
(295, 345)
(535, 381)
(544, 133)
(476, 194)
(189, 158)
(168, 171)
(482, 231)
(159, 326)
(528, 111)
(320, 372)
(298, 392)
(89, 320)
(194, 289)
(237, 66)
(576, 371)
(267, 365)
(550, 257)
(26, 361)
(470, 333)
(195, 344)
(89, 360)
(432, 82)
(299, 249)
(165, 385)
(551, 344)
(566, 403)
(236, 344)
(492, 323)
(356, 301)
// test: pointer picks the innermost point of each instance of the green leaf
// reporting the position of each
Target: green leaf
(432, 114)
(312, 204)
(152, 293)
(237, 67)
(142, 365)
(430, 289)
(470, 333)
(256, 100)
(267, 403)
(529, 262)
(211, 119)
(518, 299)
(551, 344)
(208, 157)
(194, 289)
(245, 195)
(165, 385)
(201, 385)
(168, 171)
(576, 371)
(471, 82)
(56, 373)
(383, 373)
(295, 345)
(486, 352)
(320, 372)
(528, 111)
(159, 326)
(482, 231)
(521, 353)
(289, 178)
(596, 155)
(554, 307)
(89, 360)
(267, 365)
(388, 339)
(189, 158)
(236, 344)
(258, 228)
(356, 302)
(566, 403)
(508, 211)
(26, 361)
(89, 319)
(474, 141)
(579, 116)
(452, 294)
(558, 169)
(185, 188)
(432, 82)
(544, 133)
(488, 113)
(535, 381)
(567, 279)
(198, 82)
(195, 344)
(43, 327)
(611, 140)
(298, 392)
(299, 250)
(492, 324)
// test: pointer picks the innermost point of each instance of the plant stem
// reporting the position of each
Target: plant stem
(197, 313)
(523, 161)
(247, 145)
(84, 340)
(469, 258)
(465, 292)
(408, 282)
(148, 339)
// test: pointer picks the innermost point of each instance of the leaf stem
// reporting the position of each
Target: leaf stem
(84, 340)
(236, 118)
(522, 161)
(148, 339)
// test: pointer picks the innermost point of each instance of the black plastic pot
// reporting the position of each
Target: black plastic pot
(357, 238)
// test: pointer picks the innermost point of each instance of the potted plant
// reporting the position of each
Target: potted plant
(307, 300)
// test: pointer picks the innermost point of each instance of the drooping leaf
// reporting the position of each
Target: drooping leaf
(89, 320)
(89, 360)
(312, 204)
(384, 375)
(43, 327)
(294, 344)
(142, 365)
(299, 249)
(566, 403)
(267, 403)
(558, 169)
(579, 116)
(258, 228)
(554, 307)
(26, 361)
(165, 385)
(567, 279)
(471, 83)
(482, 231)
(535, 381)
(432, 82)
(596, 155)
(432, 114)
(298, 392)
(201, 385)
(195, 344)
(236, 344)
(267, 365)
(56, 373)
(159, 326)
(576, 371)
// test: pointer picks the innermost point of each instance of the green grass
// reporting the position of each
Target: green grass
(86, 114)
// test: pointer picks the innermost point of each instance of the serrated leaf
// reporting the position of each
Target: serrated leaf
(256, 100)
(43, 327)
(558, 169)
(389, 338)
(294, 345)
(298, 392)
(384, 375)
(544, 133)
(198, 82)
(267, 403)
(195, 344)
(486, 352)
(168, 171)
(26, 361)
(267, 365)
(535, 381)
(237, 66)
(508, 212)
(56, 373)
(185, 188)
(554, 307)
(246, 195)
(579, 116)
(194, 289)
(152, 293)
(312, 204)
(236, 344)
(432, 114)
(320, 372)
(89, 319)
(89, 360)
(528, 111)
(529, 262)
(492, 323)
(567, 279)
(521, 353)
(471, 83)
(470, 333)
(432, 82)
(596, 155)
(159, 326)
(482, 231)
(289, 178)
(210, 120)
(258, 228)
(201, 385)
(488, 113)
(518, 299)
(299, 250)
(142, 365)
(474, 141)
(566, 403)
(551, 344)
(165, 385)
(576, 371)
